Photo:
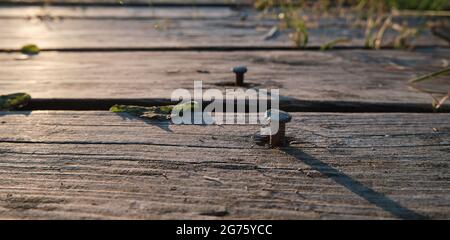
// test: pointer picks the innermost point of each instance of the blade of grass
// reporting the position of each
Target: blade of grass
(430, 76)
(331, 44)
(439, 102)
(380, 34)
(425, 90)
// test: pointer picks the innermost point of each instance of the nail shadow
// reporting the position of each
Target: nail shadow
(356, 187)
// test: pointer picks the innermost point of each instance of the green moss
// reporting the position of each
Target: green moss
(30, 49)
(189, 106)
(137, 110)
(14, 101)
(155, 112)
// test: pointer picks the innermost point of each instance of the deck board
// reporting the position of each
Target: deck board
(24, 12)
(100, 165)
(357, 75)
(129, 2)
(97, 27)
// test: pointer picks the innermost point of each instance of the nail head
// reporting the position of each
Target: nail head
(240, 69)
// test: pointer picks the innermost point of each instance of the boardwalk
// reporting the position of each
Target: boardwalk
(362, 143)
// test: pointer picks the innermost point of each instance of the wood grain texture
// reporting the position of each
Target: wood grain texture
(130, 2)
(105, 28)
(357, 75)
(120, 13)
(86, 165)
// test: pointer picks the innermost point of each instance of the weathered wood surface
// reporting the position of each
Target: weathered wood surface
(356, 75)
(81, 165)
(73, 28)
(131, 2)
(120, 13)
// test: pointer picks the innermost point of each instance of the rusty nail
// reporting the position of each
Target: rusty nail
(277, 139)
(240, 71)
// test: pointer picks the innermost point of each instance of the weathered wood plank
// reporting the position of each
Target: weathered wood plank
(100, 165)
(142, 28)
(357, 75)
(130, 2)
(120, 13)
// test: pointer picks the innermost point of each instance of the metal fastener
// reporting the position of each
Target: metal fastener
(240, 71)
(277, 120)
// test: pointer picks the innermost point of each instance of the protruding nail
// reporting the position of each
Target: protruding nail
(277, 120)
(240, 71)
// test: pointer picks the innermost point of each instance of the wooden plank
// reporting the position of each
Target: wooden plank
(357, 75)
(99, 165)
(72, 28)
(120, 13)
(129, 2)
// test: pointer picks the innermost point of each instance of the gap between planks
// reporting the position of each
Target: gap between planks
(292, 105)
(218, 49)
